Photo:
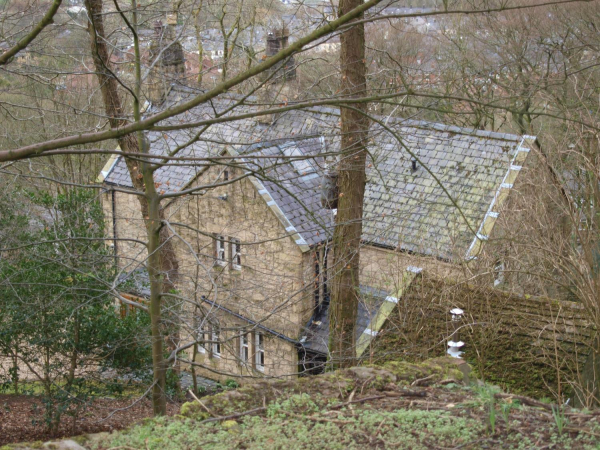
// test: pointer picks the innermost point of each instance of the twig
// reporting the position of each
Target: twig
(233, 416)
(418, 381)
(525, 400)
(360, 400)
(448, 381)
(406, 393)
(386, 395)
(202, 404)
(581, 430)
(320, 419)
(351, 396)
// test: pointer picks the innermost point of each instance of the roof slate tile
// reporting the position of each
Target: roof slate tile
(470, 164)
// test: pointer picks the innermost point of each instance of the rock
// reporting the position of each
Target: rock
(366, 373)
(67, 444)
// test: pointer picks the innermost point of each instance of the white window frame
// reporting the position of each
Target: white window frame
(244, 348)
(259, 351)
(201, 333)
(221, 250)
(499, 269)
(236, 254)
(216, 344)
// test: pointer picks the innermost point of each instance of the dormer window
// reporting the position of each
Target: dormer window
(300, 162)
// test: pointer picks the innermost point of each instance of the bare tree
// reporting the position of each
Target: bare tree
(351, 187)
(128, 119)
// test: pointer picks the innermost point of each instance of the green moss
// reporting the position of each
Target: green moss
(435, 370)
(193, 409)
(81, 440)
(291, 424)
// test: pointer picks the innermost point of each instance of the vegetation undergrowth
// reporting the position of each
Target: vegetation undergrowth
(300, 422)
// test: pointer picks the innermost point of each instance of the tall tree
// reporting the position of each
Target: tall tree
(351, 188)
(162, 263)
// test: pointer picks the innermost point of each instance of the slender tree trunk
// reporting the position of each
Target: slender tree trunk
(351, 185)
(162, 263)
(15, 369)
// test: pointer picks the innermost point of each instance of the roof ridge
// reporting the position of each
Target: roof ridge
(415, 123)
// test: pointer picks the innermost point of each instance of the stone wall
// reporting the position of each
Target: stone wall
(533, 342)
(269, 285)
(280, 356)
(273, 287)
(384, 268)
(129, 228)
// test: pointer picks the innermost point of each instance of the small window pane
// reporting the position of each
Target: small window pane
(236, 254)
(244, 348)
(260, 352)
(221, 250)
(216, 343)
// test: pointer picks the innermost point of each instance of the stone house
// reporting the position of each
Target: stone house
(252, 236)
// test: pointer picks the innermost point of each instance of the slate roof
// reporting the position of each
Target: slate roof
(316, 335)
(296, 194)
(403, 209)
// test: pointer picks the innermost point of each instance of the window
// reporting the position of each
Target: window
(244, 348)
(300, 162)
(200, 335)
(220, 250)
(201, 338)
(498, 273)
(259, 354)
(216, 344)
(236, 254)
(127, 309)
(226, 175)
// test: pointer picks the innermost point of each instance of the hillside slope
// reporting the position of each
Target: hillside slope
(397, 405)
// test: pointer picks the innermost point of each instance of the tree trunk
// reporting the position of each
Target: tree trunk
(588, 394)
(162, 262)
(351, 185)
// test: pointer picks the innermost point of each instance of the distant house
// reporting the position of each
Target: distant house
(255, 256)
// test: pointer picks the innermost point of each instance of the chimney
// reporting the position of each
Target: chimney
(170, 67)
(413, 167)
(277, 40)
(280, 87)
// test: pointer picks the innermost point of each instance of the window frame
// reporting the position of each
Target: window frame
(236, 253)
(259, 351)
(499, 268)
(302, 163)
(216, 342)
(200, 336)
(220, 250)
(244, 348)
